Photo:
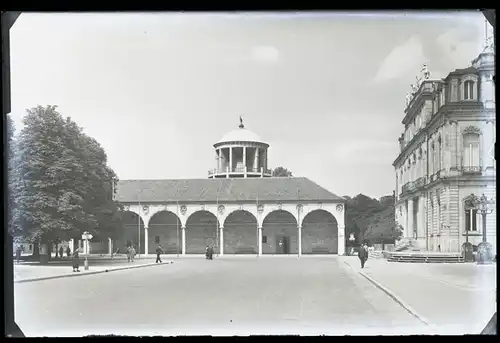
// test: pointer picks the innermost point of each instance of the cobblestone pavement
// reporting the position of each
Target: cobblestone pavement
(457, 298)
(225, 296)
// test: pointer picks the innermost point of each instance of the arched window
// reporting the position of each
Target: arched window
(468, 90)
(471, 161)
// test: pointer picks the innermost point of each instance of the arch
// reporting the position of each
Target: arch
(320, 233)
(240, 233)
(132, 228)
(164, 229)
(201, 230)
(279, 233)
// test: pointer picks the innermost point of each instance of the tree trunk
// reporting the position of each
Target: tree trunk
(44, 253)
(57, 249)
(36, 250)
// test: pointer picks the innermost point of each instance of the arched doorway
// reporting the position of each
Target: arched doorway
(240, 233)
(279, 233)
(164, 229)
(201, 230)
(319, 233)
(132, 226)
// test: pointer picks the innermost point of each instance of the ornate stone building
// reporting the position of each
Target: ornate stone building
(446, 158)
(239, 209)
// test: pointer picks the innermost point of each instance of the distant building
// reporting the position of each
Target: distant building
(446, 158)
(239, 208)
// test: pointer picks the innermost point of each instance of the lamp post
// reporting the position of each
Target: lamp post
(86, 237)
(483, 208)
(484, 248)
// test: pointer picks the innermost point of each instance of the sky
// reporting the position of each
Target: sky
(325, 90)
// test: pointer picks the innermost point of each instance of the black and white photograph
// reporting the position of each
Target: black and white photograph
(250, 173)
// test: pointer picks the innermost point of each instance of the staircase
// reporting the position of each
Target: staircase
(406, 244)
(425, 257)
(375, 254)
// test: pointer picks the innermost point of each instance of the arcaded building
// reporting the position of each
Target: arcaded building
(239, 208)
(446, 159)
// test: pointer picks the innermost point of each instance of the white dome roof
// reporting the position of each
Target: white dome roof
(240, 135)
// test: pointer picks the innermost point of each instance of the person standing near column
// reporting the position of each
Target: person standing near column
(363, 254)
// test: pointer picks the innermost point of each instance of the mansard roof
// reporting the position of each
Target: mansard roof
(274, 189)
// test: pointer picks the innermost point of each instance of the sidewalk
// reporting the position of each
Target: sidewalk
(455, 298)
(26, 272)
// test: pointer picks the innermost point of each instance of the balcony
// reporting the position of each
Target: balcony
(413, 186)
(436, 175)
(240, 170)
(472, 170)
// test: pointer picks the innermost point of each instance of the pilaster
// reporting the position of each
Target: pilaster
(221, 241)
(299, 239)
(146, 241)
(183, 230)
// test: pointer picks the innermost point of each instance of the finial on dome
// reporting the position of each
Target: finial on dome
(241, 123)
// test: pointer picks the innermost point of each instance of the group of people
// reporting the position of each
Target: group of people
(209, 252)
(131, 253)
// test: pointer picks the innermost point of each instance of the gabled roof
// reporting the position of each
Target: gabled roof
(225, 190)
(464, 71)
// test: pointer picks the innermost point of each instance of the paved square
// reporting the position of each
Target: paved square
(231, 295)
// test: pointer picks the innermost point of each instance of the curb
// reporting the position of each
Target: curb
(392, 295)
(91, 273)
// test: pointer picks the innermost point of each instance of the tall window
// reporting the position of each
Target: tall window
(437, 156)
(430, 155)
(471, 220)
(471, 150)
(468, 90)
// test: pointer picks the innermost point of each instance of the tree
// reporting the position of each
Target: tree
(281, 172)
(10, 129)
(61, 183)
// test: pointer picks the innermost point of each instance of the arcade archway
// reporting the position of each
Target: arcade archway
(132, 233)
(319, 233)
(201, 230)
(240, 233)
(164, 229)
(279, 233)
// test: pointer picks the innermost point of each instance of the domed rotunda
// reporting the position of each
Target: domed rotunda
(240, 153)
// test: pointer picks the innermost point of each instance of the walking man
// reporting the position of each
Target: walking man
(363, 254)
(159, 251)
(18, 254)
(76, 260)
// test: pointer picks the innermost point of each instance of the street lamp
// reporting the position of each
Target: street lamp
(483, 208)
(86, 236)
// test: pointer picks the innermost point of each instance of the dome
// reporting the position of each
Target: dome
(240, 135)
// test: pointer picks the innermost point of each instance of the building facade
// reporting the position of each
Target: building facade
(447, 159)
(238, 209)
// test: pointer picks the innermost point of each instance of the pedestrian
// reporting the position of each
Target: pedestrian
(76, 260)
(61, 252)
(159, 251)
(210, 252)
(363, 254)
(68, 251)
(129, 253)
(132, 253)
(18, 254)
(207, 250)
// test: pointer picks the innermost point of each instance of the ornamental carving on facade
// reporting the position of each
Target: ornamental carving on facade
(221, 209)
(280, 206)
(300, 208)
(471, 130)
(241, 208)
(183, 209)
(127, 208)
(340, 207)
(320, 205)
(165, 208)
(400, 210)
(471, 202)
(145, 209)
(260, 209)
(202, 207)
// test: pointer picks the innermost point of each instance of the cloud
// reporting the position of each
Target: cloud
(265, 54)
(459, 47)
(403, 60)
(356, 149)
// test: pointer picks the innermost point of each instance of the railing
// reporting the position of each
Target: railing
(471, 169)
(420, 182)
(412, 186)
(408, 187)
(238, 170)
(436, 175)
